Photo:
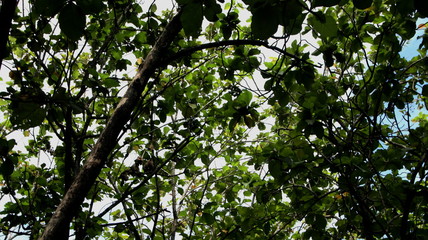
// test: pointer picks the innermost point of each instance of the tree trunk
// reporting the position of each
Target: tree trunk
(85, 179)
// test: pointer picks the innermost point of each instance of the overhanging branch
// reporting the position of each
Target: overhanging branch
(188, 51)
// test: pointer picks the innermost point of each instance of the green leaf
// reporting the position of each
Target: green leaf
(244, 98)
(91, 6)
(211, 9)
(233, 122)
(208, 218)
(261, 126)
(254, 51)
(362, 4)
(110, 82)
(318, 221)
(281, 96)
(27, 114)
(325, 3)
(318, 129)
(275, 168)
(191, 18)
(267, 228)
(265, 21)
(3, 147)
(307, 76)
(249, 121)
(183, 2)
(48, 8)
(268, 84)
(327, 28)
(294, 26)
(72, 21)
(422, 7)
(328, 57)
(425, 90)
(407, 29)
(226, 30)
(6, 146)
(7, 167)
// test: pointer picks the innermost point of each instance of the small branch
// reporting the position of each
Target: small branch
(198, 207)
(146, 179)
(134, 220)
(158, 206)
(174, 202)
(411, 65)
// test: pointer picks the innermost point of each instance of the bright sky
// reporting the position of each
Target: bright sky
(410, 50)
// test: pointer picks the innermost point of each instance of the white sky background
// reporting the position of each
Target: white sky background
(409, 51)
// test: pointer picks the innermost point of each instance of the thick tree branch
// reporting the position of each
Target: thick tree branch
(188, 51)
(7, 11)
(108, 138)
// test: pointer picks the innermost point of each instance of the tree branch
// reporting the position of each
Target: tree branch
(188, 51)
(108, 138)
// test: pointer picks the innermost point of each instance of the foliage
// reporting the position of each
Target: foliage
(303, 122)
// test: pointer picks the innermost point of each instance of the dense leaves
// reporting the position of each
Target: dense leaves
(72, 21)
(191, 18)
(260, 120)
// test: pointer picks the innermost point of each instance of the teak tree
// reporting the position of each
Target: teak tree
(252, 119)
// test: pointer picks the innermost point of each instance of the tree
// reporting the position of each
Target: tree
(140, 124)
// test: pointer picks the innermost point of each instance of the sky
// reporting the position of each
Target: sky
(411, 49)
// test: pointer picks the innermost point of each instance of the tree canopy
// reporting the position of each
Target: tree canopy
(213, 119)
